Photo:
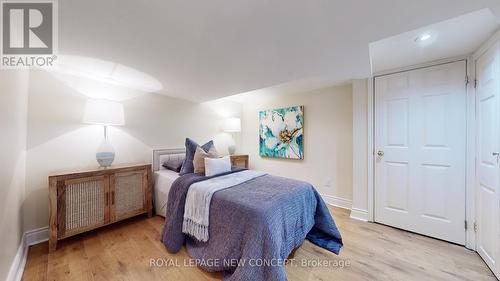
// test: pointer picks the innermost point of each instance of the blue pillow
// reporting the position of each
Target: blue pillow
(173, 164)
(191, 145)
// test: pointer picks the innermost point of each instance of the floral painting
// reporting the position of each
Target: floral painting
(281, 132)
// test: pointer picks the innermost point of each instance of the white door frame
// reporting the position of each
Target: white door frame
(470, 238)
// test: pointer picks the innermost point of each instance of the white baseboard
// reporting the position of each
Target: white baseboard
(17, 266)
(337, 201)
(356, 214)
(37, 236)
(29, 238)
(359, 214)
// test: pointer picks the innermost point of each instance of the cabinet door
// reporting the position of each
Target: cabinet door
(83, 204)
(128, 194)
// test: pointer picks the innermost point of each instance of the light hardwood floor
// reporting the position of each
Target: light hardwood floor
(375, 252)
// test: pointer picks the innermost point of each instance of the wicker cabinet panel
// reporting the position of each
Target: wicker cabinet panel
(128, 194)
(85, 204)
(81, 204)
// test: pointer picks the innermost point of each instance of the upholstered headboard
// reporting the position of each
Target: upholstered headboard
(162, 155)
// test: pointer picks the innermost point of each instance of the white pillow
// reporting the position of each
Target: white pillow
(215, 166)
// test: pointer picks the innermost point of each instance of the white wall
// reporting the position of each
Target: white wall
(58, 141)
(13, 113)
(328, 142)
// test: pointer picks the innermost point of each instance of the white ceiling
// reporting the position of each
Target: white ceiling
(454, 37)
(202, 50)
(293, 87)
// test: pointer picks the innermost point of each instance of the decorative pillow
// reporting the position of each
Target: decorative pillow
(191, 145)
(199, 158)
(215, 166)
(173, 164)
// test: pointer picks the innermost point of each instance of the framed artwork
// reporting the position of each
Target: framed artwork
(281, 132)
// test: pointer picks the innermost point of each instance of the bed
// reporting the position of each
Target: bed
(259, 217)
(163, 178)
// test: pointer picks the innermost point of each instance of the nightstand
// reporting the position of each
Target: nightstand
(239, 161)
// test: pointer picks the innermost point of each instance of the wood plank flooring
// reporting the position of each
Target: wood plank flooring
(374, 252)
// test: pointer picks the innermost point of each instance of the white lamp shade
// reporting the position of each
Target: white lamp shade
(232, 125)
(104, 112)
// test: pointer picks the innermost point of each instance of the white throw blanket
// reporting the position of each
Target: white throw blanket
(199, 196)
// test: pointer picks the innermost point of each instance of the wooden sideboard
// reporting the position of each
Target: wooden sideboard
(239, 161)
(82, 201)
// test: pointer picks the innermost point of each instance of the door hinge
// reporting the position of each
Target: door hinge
(465, 224)
(475, 226)
(466, 80)
(475, 83)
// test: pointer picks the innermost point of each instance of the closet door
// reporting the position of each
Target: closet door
(487, 158)
(420, 134)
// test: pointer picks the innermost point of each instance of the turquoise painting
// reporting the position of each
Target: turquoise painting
(281, 132)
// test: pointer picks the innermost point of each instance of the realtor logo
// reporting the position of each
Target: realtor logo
(28, 33)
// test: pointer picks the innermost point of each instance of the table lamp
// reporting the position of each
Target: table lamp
(232, 125)
(105, 113)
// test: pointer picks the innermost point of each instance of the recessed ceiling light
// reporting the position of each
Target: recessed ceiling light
(423, 37)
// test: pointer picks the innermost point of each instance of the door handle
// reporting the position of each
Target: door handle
(380, 153)
(496, 154)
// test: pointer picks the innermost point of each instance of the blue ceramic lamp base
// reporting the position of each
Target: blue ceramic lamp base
(105, 154)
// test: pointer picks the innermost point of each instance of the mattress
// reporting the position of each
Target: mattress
(163, 182)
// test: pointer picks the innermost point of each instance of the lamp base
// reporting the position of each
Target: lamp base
(231, 145)
(231, 149)
(105, 155)
(105, 159)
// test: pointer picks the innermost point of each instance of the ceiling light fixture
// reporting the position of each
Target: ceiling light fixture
(423, 37)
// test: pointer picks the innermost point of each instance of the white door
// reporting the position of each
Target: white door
(420, 142)
(487, 173)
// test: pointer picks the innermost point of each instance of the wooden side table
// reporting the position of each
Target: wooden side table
(239, 161)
